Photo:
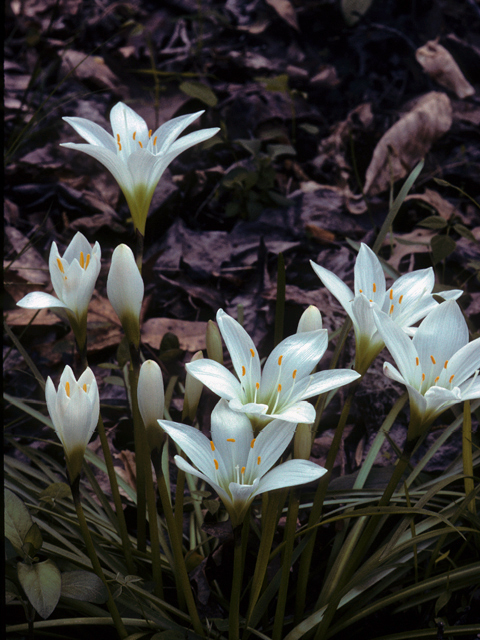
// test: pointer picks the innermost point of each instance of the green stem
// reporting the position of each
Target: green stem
(317, 506)
(141, 458)
(290, 529)
(467, 454)
(181, 575)
(153, 527)
(240, 533)
(112, 607)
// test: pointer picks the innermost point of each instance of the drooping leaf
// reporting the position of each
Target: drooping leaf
(200, 91)
(42, 585)
(84, 586)
(17, 520)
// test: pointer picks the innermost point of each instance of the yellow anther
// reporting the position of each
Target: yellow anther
(294, 374)
(433, 359)
(60, 265)
(400, 300)
(374, 288)
(85, 387)
(391, 309)
(134, 134)
(67, 388)
(212, 446)
(242, 470)
(360, 290)
(118, 138)
(391, 294)
(257, 386)
(119, 146)
(417, 361)
(216, 464)
(230, 439)
(252, 352)
(252, 443)
(451, 378)
(279, 388)
(244, 371)
(259, 459)
(141, 145)
(423, 377)
(88, 261)
(436, 380)
(149, 133)
(155, 141)
(445, 365)
(280, 360)
(82, 259)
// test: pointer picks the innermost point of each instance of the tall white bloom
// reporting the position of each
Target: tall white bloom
(125, 290)
(281, 389)
(134, 155)
(408, 300)
(235, 463)
(73, 278)
(74, 410)
(438, 366)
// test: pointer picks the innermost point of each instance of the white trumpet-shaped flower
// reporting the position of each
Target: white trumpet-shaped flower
(74, 410)
(408, 300)
(281, 389)
(135, 155)
(235, 463)
(73, 278)
(125, 290)
(438, 366)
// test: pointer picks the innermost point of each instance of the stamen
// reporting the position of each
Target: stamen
(259, 459)
(141, 145)
(417, 361)
(118, 142)
(445, 365)
(280, 361)
(391, 309)
(391, 294)
(118, 137)
(60, 265)
(400, 299)
(279, 388)
(433, 359)
(149, 133)
(155, 140)
(82, 260)
(88, 261)
(244, 371)
(212, 446)
(85, 387)
(252, 352)
(216, 464)
(230, 439)
(423, 377)
(360, 290)
(134, 134)
(451, 378)
(67, 388)
(436, 380)
(374, 288)
(252, 443)
(294, 374)
(242, 470)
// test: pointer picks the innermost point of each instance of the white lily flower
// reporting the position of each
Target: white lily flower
(134, 155)
(408, 300)
(280, 391)
(125, 290)
(73, 278)
(74, 410)
(151, 401)
(438, 366)
(235, 463)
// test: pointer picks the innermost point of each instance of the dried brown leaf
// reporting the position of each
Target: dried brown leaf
(407, 244)
(408, 141)
(441, 67)
(92, 68)
(286, 11)
(191, 335)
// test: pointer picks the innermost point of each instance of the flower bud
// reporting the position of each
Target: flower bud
(125, 291)
(302, 443)
(311, 320)
(193, 391)
(151, 401)
(214, 342)
(74, 409)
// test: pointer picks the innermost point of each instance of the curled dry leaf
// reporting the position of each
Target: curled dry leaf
(441, 67)
(408, 141)
(285, 10)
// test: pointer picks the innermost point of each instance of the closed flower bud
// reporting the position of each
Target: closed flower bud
(214, 342)
(302, 442)
(151, 401)
(311, 320)
(125, 291)
(193, 391)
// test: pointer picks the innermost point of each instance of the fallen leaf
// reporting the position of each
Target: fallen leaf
(191, 335)
(286, 11)
(353, 10)
(441, 67)
(443, 207)
(407, 244)
(91, 68)
(408, 141)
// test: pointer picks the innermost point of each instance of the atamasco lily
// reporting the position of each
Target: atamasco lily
(73, 278)
(74, 409)
(235, 463)
(135, 155)
(439, 366)
(286, 381)
(408, 300)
